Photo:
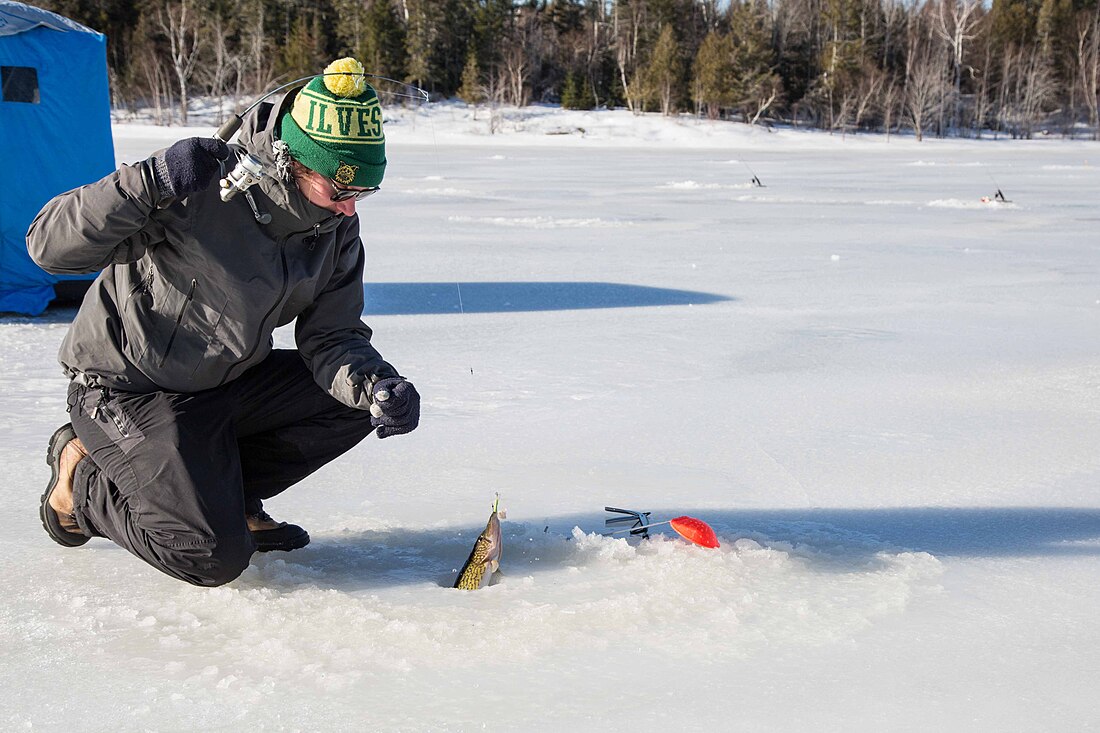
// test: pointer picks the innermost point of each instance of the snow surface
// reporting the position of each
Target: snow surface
(883, 394)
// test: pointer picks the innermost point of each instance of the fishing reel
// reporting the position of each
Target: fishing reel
(248, 172)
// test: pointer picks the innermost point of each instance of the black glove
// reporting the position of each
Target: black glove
(396, 407)
(188, 165)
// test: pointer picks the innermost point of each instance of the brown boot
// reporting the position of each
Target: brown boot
(56, 509)
(271, 535)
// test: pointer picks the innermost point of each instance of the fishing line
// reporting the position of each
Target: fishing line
(449, 242)
(439, 167)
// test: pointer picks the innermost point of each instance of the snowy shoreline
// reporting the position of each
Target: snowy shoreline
(549, 126)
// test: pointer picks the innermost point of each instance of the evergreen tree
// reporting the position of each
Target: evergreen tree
(471, 92)
(437, 36)
(492, 20)
(303, 53)
(383, 50)
(665, 72)
(1014, 23)
(576, 92)
(757, 85)
(373, 33)
(713, 74)
(420, 32)
(569, 91)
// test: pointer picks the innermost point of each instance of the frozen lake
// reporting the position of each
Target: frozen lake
(881, 391)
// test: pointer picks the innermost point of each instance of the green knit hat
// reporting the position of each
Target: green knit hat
(335, 127)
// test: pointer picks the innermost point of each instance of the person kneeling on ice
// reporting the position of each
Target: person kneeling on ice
(184, 419)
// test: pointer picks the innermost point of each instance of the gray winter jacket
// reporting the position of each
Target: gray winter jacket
(192, 289)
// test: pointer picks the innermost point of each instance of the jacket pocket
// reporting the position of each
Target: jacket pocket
(167, 331)
(179, 319)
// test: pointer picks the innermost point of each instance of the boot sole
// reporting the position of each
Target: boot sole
(50, 522)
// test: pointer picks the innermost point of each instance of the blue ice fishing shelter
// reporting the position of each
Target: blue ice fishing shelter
(55, 134)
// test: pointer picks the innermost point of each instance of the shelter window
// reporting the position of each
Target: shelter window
(19, 84)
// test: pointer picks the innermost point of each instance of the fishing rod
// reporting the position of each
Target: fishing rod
(999, 196)
(249, 170)
(755, 179)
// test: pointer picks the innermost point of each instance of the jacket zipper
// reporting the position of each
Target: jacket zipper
(179, 319)
(278, 301)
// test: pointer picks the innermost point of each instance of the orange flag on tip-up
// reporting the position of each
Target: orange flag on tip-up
(695, 530)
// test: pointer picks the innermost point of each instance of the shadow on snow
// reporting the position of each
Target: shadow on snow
(391, 299)
(830, 540)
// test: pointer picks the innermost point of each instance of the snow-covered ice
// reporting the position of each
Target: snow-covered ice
(882, 392)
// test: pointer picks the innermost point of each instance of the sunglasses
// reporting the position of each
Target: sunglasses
(346, 194)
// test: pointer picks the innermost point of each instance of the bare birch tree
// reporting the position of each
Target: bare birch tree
(983, 91)
(180, 22)
(628, 21)
(1088, 64)
(892, 97)
(223, 62)
(153, 77)
(868, 92)
(925, 79)
(1029, 88)
(956, 24)
(522, 55)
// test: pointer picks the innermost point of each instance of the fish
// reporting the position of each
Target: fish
(484, 559)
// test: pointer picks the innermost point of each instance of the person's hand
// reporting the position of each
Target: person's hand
(395, 409)
(189, 165)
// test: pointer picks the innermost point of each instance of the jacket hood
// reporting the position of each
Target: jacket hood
(288, 207)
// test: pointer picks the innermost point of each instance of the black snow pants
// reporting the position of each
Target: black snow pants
(172, 476)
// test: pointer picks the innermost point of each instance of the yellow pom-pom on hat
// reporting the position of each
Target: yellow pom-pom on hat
(344, 77)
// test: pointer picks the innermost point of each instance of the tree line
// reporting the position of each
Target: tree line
(939, 67)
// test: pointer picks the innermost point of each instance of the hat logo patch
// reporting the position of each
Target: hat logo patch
(345, 173)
